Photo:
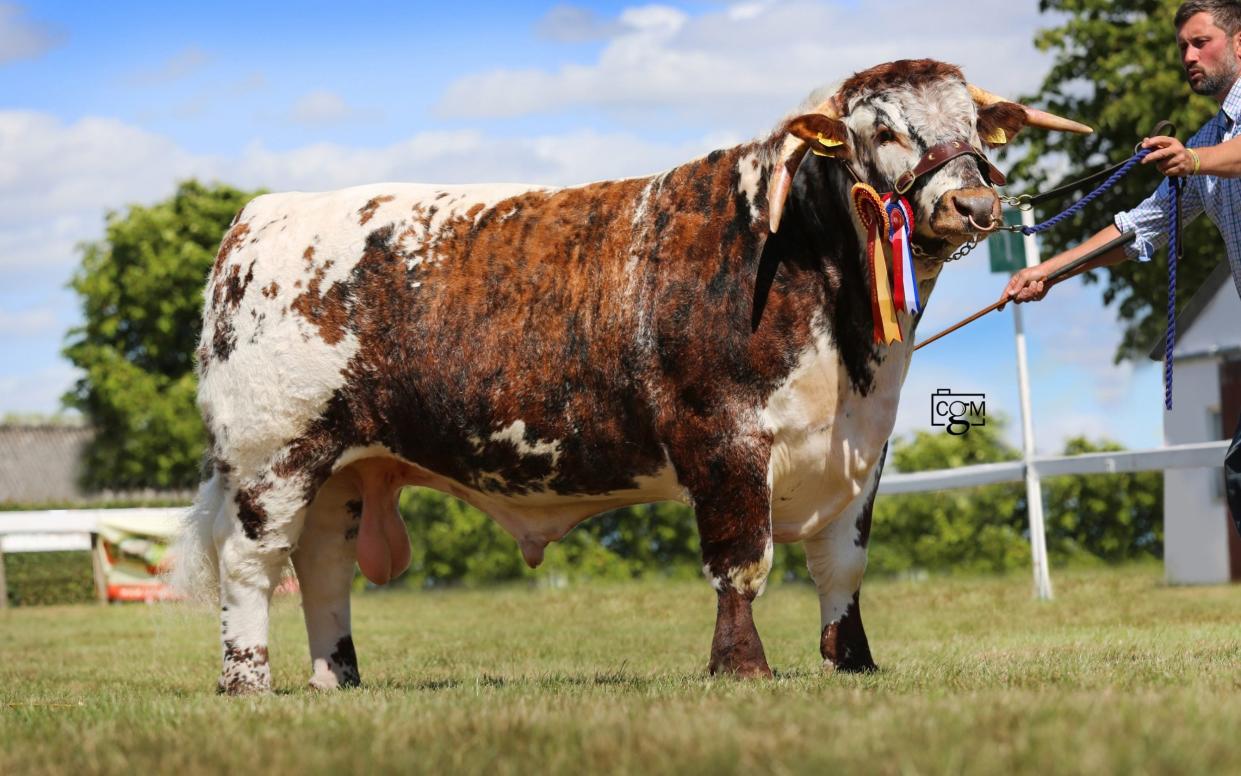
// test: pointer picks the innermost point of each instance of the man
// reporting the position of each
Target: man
(1208, 33)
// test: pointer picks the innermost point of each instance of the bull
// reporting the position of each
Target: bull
(546, 354)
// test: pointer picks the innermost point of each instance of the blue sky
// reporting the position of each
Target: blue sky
(104, 105)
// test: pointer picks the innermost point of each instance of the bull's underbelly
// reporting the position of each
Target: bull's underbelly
(533, 518)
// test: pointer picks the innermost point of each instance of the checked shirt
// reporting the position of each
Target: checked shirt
(1219, 197)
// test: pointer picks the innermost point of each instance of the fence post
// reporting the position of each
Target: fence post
(4, 587)
(1034, 488)
(101, 579)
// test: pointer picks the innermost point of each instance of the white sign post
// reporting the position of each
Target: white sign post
(1034, 489)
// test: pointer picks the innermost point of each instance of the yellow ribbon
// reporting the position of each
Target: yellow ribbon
(868, 206)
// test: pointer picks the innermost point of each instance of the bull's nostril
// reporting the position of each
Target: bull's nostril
(978, 208)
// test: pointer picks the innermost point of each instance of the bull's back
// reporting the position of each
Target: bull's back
(477, 331)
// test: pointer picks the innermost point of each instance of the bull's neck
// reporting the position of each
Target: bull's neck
(823, 205)
(729, 185)
(820, 236)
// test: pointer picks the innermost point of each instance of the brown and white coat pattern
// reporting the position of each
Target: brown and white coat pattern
(548, 354)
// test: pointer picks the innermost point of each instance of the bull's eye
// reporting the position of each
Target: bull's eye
(885, 135)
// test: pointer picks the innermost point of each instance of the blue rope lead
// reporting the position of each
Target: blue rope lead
(1174, 250)
(1077, 207)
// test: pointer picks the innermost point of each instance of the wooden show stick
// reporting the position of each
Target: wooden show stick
(1067, 271)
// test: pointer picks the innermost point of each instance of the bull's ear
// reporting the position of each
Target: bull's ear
(823, 135)
(1000, 122)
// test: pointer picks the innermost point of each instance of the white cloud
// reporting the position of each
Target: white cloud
(209, 97)
(61, 178)
(28, 322)
(571, 24)
(749, 63)
(737, 69)
(743, 11)
(181, 64)
(1059, 427)
(21, 38)
(38, 391)
(463, 156)
(322, 107)
(53, 168)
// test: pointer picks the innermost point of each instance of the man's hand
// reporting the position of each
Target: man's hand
(1170, 156)
(1027, 285)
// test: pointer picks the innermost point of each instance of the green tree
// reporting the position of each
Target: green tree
(141, 293)
(1116, 67)
(1098, 517)
(453, 543)
(965, 529)
(1112, 517)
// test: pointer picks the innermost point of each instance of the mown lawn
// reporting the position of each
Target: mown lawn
(1121, 674)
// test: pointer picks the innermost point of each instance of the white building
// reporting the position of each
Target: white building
(1200, 544)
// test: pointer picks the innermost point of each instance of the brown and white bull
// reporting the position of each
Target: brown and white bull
(703, 335)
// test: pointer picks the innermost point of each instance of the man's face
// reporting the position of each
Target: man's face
(1208, 55)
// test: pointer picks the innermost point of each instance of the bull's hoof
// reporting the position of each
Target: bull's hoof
(742, 661)
(237, 686)
(850, 667)
(750, 670)
(327, 679)
(246, 671)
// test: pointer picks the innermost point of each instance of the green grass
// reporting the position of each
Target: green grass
(1121, 674)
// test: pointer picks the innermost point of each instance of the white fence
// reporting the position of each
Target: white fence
(1192, 456)
(65, 529)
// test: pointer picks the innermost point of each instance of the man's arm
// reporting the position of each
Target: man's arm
(1148, 221)
(1173, 158)
(1030, 283)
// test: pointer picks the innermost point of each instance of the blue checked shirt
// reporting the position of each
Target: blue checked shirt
(1219, 197)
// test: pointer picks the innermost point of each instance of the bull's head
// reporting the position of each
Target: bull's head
(894, 125)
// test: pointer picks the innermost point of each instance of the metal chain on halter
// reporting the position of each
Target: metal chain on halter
(961, 252)
(1076, 207)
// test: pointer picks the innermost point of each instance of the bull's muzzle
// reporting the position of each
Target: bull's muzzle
(964, 211)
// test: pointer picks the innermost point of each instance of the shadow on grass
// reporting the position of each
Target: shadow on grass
(614, 678)
(617, 678)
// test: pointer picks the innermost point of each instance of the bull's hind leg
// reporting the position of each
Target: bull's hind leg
(733, 510)
(324, 561)
(836, 557)
(254, 535)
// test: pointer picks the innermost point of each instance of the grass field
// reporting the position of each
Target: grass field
(1121, 674)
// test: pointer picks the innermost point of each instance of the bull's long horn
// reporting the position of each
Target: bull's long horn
(1034, 116)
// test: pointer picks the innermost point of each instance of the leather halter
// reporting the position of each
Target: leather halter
(939, 155)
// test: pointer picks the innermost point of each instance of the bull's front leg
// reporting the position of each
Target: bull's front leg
(733, 509)
(836, 557)
(324, 561)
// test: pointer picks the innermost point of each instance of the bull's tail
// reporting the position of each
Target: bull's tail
(195, 572)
